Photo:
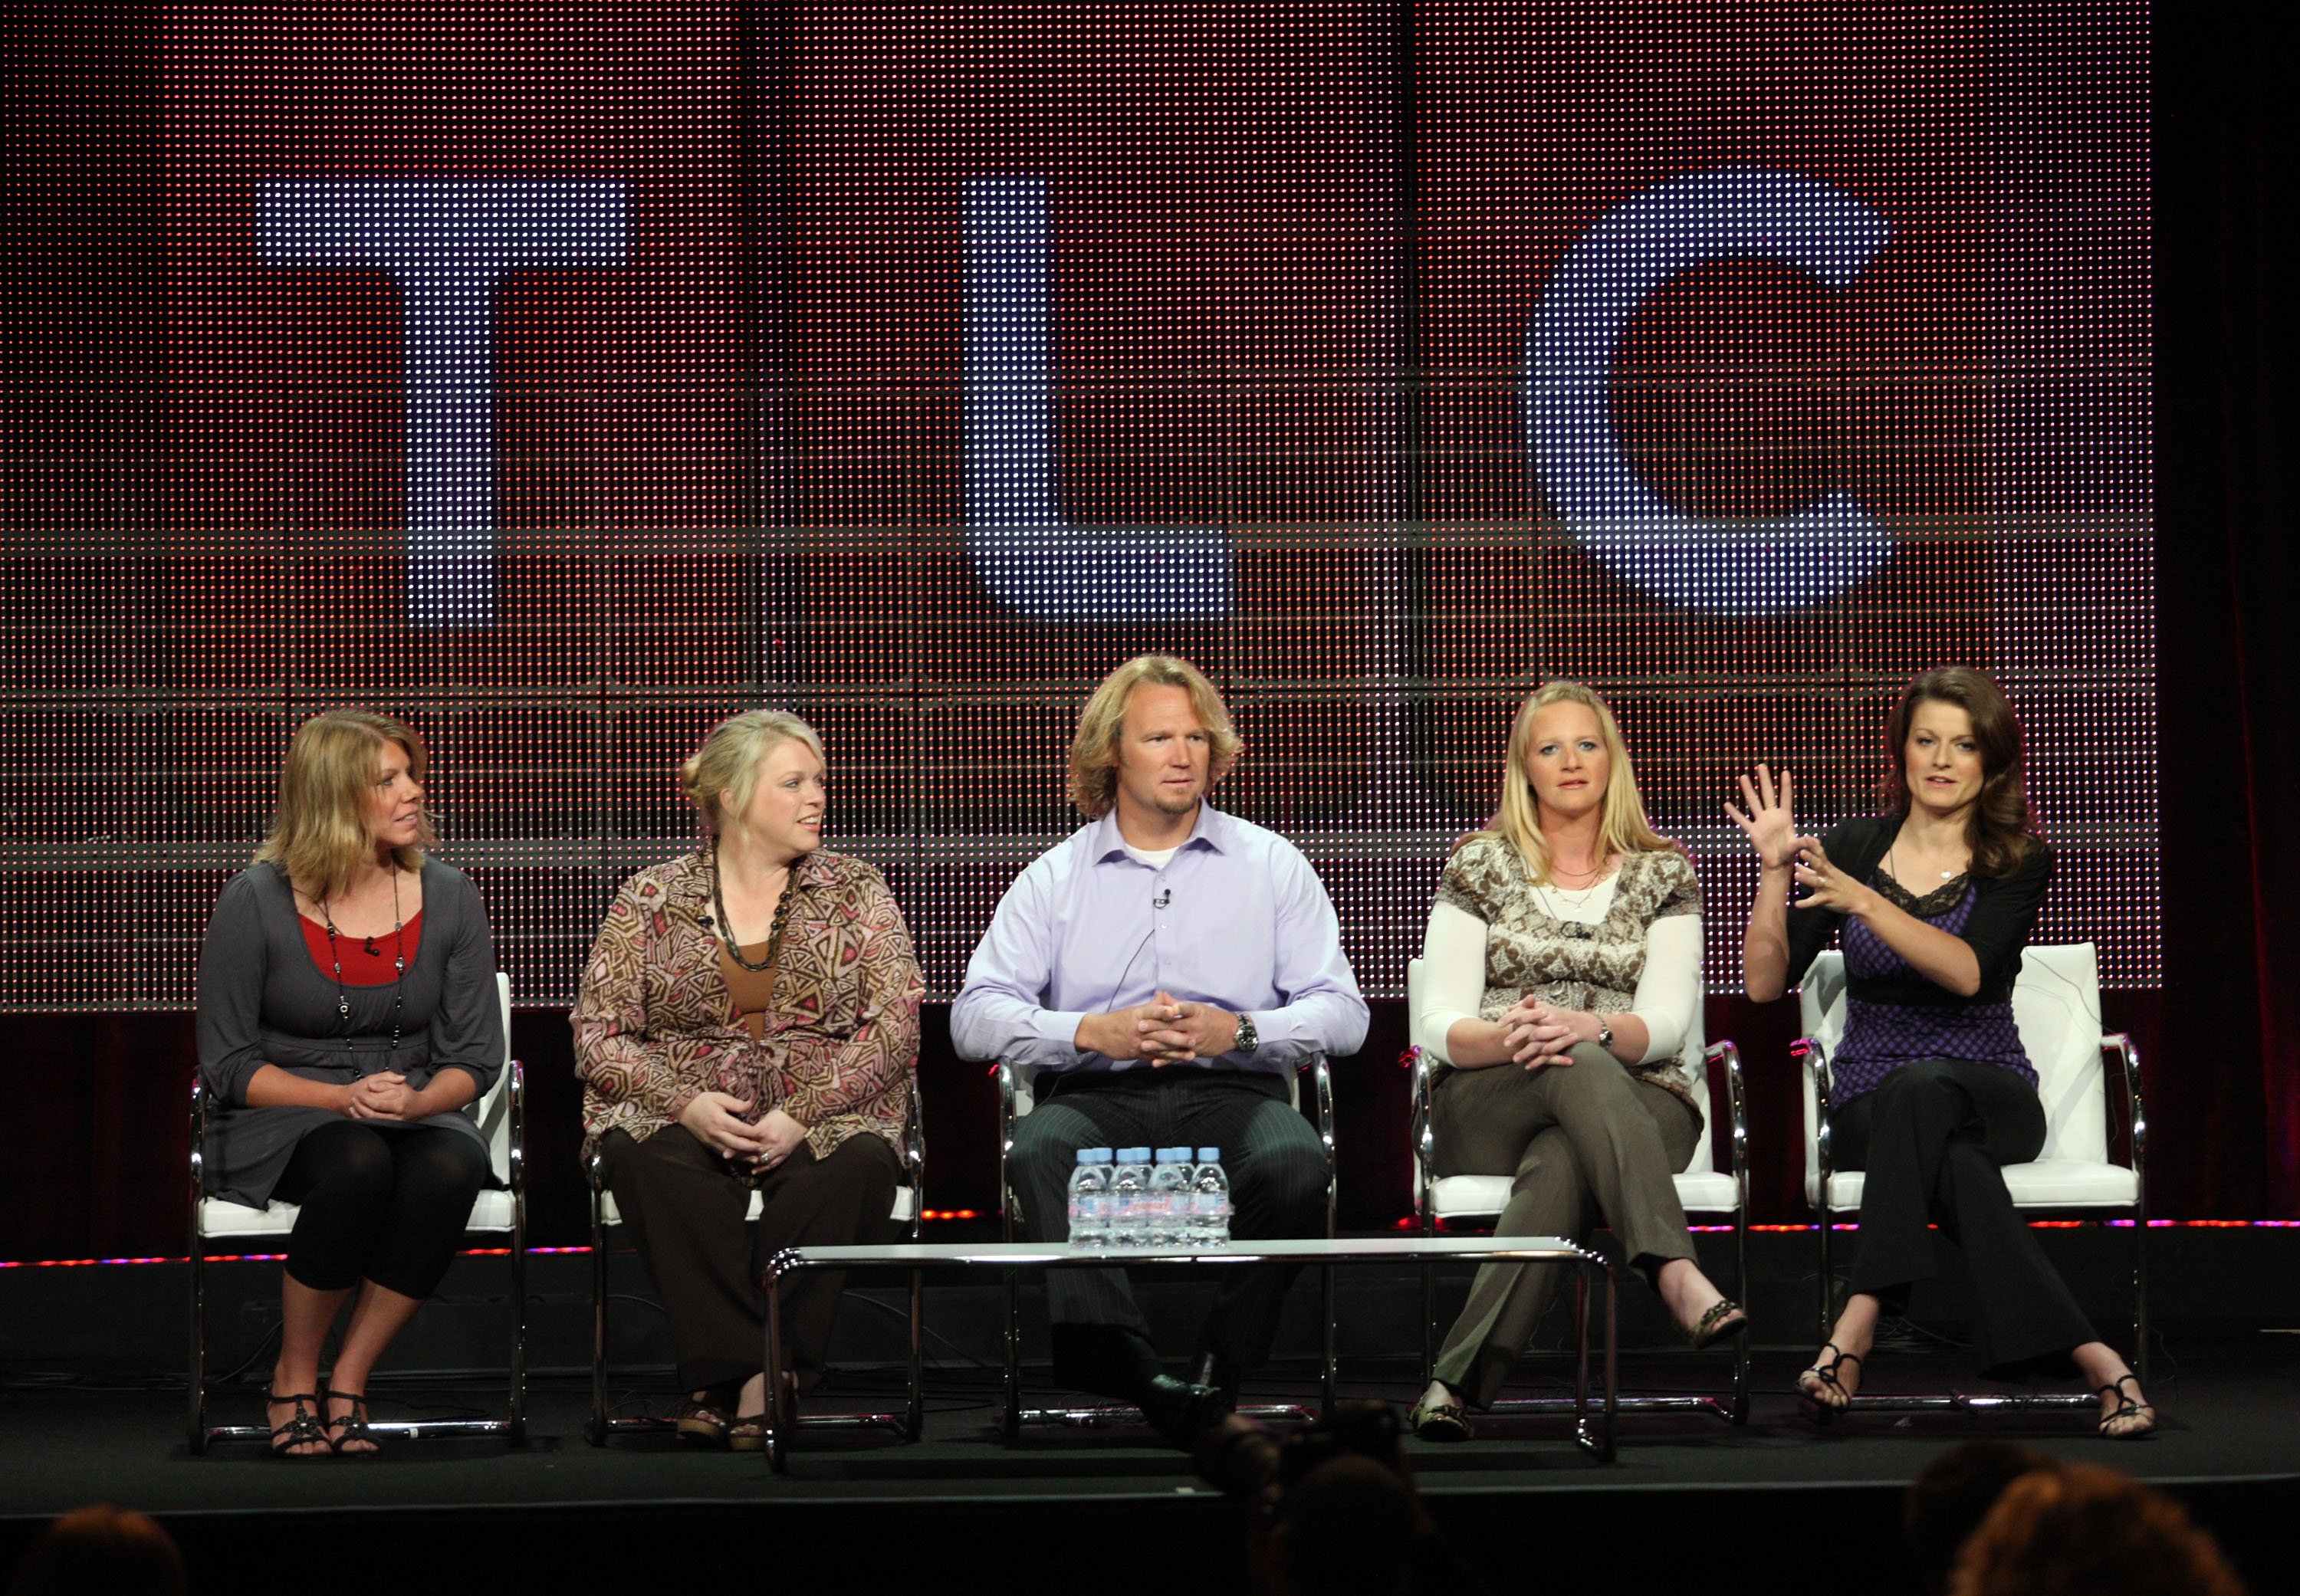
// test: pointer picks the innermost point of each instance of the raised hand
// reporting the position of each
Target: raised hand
(1770, 822)
(1826, 886)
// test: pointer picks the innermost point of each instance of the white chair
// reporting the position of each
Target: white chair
(2056, 1004)
(910, 1206)
(1016, 1099)
(1704, 1186)
(499, 1213)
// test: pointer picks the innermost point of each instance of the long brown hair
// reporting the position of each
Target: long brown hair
(1623, 829)
(2002, 829)
(321, 829)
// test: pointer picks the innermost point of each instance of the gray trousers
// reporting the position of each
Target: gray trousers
(1276, 1164)
(1585, 1142)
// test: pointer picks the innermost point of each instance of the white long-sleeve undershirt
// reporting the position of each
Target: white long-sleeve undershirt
(1453, 981)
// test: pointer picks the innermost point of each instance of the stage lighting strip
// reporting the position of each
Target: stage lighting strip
(968, 1213)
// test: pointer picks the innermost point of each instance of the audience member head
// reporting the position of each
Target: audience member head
(1094, 750)
(2080, 1530)
(102, 1549)
(344, 769)
(1947, 1501)
(1350, 1527)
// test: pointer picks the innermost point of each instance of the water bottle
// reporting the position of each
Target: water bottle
(1129, 1198)
(1169, 1198)
(1090, 1200)
(1209, 1224)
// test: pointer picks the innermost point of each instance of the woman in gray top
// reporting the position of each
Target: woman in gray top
(348, 1023)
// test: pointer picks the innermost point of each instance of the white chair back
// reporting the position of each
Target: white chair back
(493, 1111)
(2055, 1003)
(1704, 1160)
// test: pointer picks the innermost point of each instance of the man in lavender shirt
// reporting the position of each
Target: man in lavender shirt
(1162, 971)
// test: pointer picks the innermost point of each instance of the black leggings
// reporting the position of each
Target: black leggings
(384, 1205)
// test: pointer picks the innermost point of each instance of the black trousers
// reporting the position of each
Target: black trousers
(383, 1204)
(1934, 1138)
(686, 1208)
(1276, 1164)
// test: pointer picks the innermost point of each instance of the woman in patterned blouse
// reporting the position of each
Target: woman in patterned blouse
(749, 1019)
(1564, 974)
(1931, 1092)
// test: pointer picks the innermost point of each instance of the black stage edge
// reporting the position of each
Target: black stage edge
(1690, 1500)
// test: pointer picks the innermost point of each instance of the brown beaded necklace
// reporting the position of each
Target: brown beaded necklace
(774, 929)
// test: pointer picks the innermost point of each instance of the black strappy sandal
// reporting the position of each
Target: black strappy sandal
(1824, 1378)
(353, 1424)
(306, 1426)
(2126, 1408)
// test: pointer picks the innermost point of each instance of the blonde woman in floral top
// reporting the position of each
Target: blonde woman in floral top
(1564, 976)
(749, 1018)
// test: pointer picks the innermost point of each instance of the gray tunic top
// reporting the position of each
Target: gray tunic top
(262, 1000)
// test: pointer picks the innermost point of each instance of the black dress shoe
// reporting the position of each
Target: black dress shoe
(1214, 1370)
(1179, 1411)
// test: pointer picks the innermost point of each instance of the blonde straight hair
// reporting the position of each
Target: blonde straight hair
(1094, 751)
(730, 756)
(324, 829)
(1623, 828)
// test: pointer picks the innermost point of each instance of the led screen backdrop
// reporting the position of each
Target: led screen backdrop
(566, 378)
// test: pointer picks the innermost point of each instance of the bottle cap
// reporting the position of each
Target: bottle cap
(1210, 1155)
(1094, 1155)
(1173, 1155)
(1133, 1155)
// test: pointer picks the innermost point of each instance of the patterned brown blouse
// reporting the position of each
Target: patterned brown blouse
(1592, 969)
(655, 1023)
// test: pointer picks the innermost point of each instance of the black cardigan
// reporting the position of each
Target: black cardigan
(2003, 912)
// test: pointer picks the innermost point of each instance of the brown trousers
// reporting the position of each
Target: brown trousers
(1585, 1141)
(686, 1208)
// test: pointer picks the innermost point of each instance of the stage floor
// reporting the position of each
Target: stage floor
(2229, 1443)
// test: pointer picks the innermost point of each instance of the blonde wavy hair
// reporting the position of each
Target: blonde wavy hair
(1623, 828)
(323, 828)
(1094, 751)
(730, 756)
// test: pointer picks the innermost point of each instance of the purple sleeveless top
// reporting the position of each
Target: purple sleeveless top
(1881, 1037)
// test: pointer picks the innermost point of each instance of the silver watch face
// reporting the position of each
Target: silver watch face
(1248, 1038)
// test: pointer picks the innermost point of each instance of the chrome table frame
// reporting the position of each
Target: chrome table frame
(1013, 1256)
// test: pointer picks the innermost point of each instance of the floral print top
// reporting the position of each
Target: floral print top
(655, 1025)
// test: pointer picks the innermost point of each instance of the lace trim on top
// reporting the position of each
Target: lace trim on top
(1937, 902)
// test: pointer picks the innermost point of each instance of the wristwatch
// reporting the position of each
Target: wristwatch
(1248, 1038)
(1604, 1034)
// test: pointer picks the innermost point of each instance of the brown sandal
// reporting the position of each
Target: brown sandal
(705, 1422)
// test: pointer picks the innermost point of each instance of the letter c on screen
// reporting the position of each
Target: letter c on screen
(1738, 567)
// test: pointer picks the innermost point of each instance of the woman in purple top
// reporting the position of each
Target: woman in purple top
(1933, 1094)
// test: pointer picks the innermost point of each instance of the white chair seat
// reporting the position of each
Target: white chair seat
(220, 1218)
(2048, 1183)
(1482, 1196)
(906, 1206)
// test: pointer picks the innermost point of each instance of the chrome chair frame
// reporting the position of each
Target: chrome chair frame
(1015, 1101)
(1823, 987)
(1733, 1406)
(909, 1422)
(507, 1149)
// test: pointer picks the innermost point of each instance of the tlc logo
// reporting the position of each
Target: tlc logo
(450, 242)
